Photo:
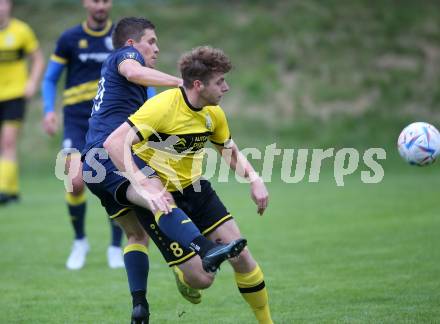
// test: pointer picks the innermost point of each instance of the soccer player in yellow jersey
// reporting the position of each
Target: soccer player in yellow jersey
(169, 132)
(17, 43)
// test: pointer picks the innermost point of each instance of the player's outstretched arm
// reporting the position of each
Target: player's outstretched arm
(237, 162)
(118, 145)
(134, 72)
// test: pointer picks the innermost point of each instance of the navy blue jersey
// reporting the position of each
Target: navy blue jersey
(83, 51)
(116, 100)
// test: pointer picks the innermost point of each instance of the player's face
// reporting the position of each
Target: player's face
(98, 10)
(5, 10)
(147, 46)
(213, 92)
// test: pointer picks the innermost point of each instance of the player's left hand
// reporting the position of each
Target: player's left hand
(30, 89)
(259, 195)
(50, 123)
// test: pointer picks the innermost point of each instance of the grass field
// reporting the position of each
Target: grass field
(307, 74)
(354, 254)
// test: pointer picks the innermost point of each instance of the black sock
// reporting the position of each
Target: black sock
(139, 297)
(201, 245)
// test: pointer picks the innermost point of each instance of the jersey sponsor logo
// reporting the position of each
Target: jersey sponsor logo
(181, 144)
(130, 55)
(97, 57)
(11, 55)
(108, 43)
(83, 43)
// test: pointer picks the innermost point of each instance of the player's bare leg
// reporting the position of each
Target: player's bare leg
(76, 205)
(191, 278)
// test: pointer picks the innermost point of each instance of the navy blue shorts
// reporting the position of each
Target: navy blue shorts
(76, 124)
(12, 110)
(102, 178)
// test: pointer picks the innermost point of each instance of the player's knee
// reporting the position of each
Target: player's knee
(136, 236)
(8, 144)
(243, 260)
(77, 186)
(199, 279)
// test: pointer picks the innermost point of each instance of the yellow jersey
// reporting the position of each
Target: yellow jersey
(16, 41)
(173, 135)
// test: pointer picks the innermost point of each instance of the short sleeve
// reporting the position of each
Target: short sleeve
(30, 40)
(221, 134)
(62, 50)
(129, 54)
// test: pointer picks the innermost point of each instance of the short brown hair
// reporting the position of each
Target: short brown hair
(201, 62)
(130, 27)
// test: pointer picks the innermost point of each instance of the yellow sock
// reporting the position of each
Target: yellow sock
(9, 177)
(253, 290)
(76, 200)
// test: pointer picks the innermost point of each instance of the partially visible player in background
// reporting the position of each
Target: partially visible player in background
(17, 43)
(81, 50)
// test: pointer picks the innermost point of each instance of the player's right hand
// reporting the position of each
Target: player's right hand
(158, 199)
(50, 123)
(158, 203)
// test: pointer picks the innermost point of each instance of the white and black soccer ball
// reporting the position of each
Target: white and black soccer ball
(419, 144)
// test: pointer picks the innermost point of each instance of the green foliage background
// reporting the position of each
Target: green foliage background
(307, 73)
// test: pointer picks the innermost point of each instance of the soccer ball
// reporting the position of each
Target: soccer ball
(419, 143)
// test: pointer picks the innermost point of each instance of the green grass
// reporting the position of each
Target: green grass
(308, 74)
(354, 254)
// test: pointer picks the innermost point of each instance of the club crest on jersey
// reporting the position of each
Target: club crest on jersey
(108, 43)
(9, 40)
(83, 43)
(208, 121)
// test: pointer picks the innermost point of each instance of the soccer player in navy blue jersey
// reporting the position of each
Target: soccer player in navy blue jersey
(130, 200)
(80, 50)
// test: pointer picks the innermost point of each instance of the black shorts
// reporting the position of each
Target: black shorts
(204, 208)
(12, 110)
